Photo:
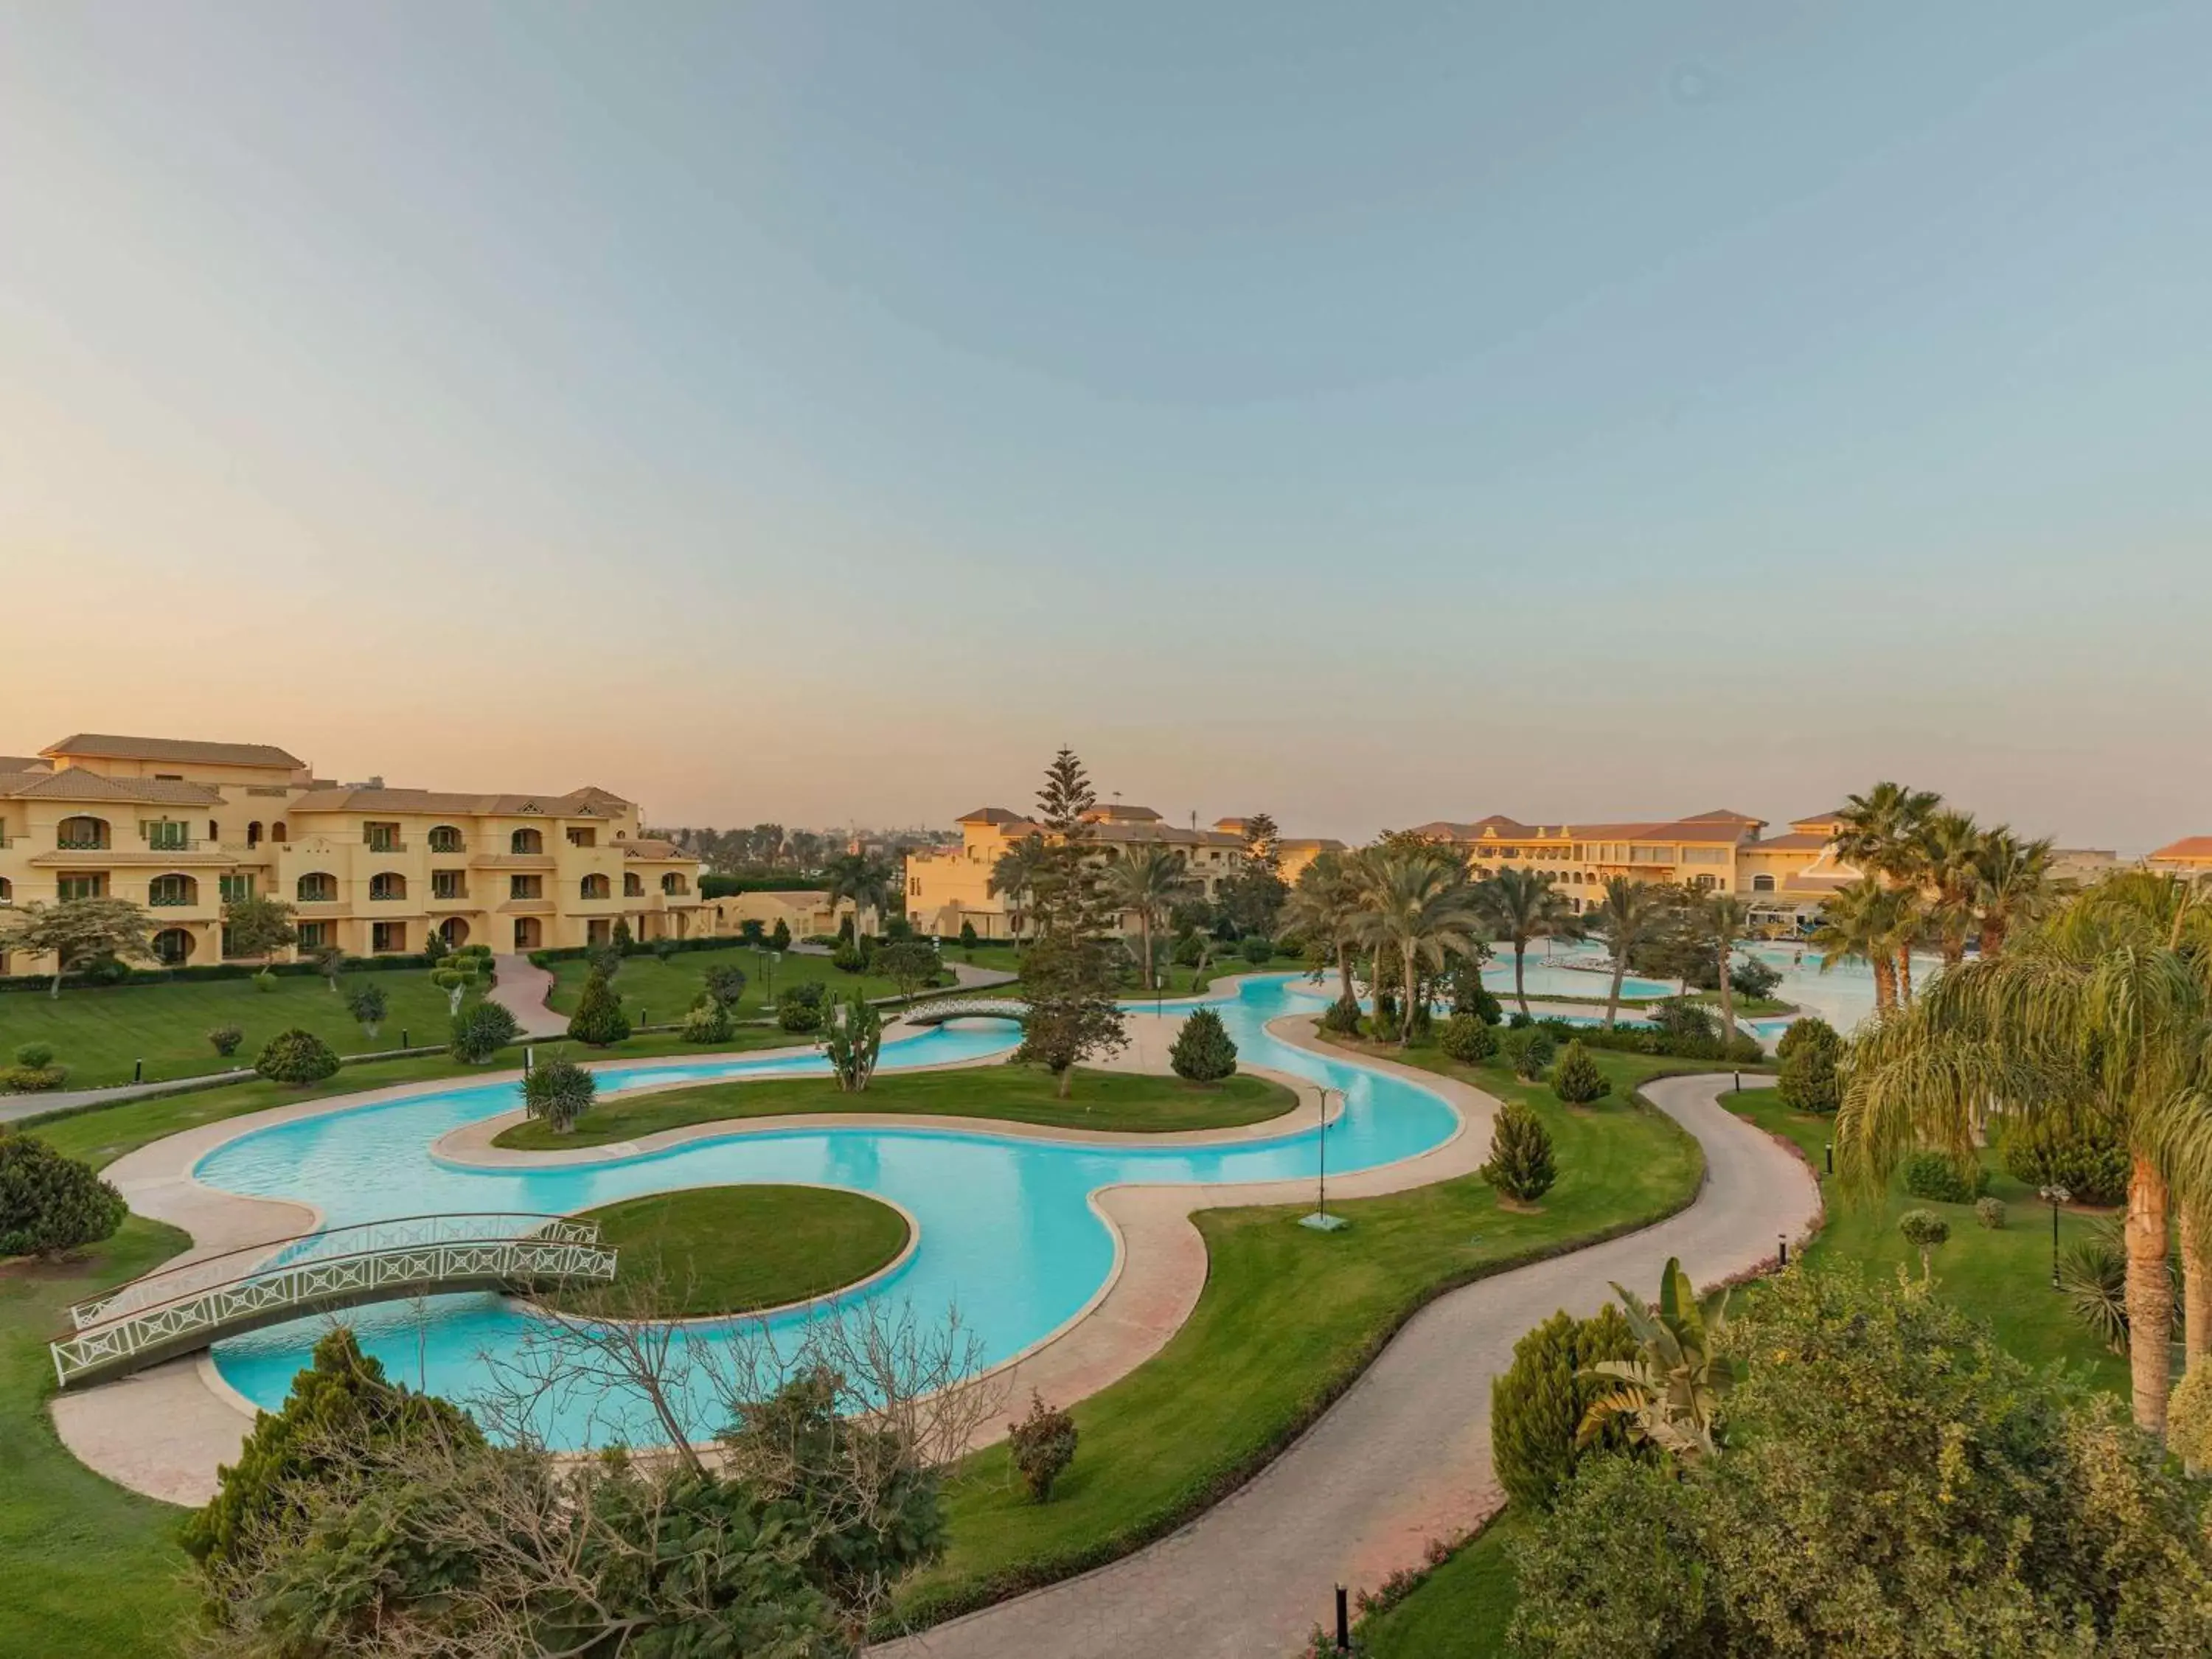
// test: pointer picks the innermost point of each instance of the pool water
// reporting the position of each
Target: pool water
(1006, 1234)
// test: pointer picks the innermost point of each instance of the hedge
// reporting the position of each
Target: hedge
(140, 976)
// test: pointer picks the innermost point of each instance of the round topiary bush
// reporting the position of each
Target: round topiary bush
(225, 1039)
(1203, 1052)
(1990, 1214)
(1468, 1040)
(1520, 1165)
(709, 1022)
(35, 1056)
(1257, 950)
(482, 1032)
(296, 1057)
(795, 1012)
(1576, 1080)
(1925, 1231)
(598, 1019)
(849, 958)
(50, 1205)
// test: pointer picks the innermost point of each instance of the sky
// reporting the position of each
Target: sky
(1365, 413)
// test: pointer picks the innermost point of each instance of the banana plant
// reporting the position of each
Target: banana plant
(852, 1038)
(1670, 1394)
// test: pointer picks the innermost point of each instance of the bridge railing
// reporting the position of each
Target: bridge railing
(945, 1008)
(206, 1272)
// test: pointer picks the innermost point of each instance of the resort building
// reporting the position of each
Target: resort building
(1783, 877)
(2191, 856)
(807, 913)
(182, 827)
(946, 886)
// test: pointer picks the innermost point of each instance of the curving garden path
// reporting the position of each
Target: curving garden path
(1403, 1458)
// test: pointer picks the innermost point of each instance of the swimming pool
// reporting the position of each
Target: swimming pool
(1006, 1233)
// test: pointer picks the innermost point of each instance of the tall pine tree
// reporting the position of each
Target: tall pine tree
(1071, 972)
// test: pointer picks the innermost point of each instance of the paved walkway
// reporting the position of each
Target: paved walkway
(1404, 1456)
(63, 1100)
(522, 989)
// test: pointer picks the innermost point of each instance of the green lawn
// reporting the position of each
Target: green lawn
(2002, 1276)
(1288, 1319)
(1132, 1102)
(92, 1572)
(97, 1032)
(1461, 1608)
(659, 992)
(737, 1249)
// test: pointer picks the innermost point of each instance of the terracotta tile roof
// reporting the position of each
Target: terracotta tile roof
(74, 783)
(1118, 813)
(346, 798)
(1316, 843)
(25, 764)
(1721, 815)
(652, 846)
(99, 746)
(989, 814)
(2191, 849)
(1169, 835)
(1797, 840)
(1723, 827)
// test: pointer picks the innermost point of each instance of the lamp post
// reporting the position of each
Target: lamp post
(1321, 1220)
(2056, 1196)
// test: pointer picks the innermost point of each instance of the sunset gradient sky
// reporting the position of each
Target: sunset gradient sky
(1365, 413)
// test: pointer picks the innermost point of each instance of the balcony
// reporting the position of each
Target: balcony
(80, 843)
(385, 846)
(526, 907)
(511, 861)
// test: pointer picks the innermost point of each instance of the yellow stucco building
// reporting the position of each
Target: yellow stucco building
(181, 826)
(946, 886)
(2191, 856)
(1783, 879)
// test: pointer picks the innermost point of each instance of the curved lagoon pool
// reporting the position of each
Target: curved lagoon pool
(1006, 1232)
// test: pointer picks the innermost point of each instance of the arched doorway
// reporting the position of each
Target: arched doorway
(173, 946)
(526, 934)
(454, 931)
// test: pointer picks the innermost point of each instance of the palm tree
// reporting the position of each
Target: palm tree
(1013, 876)
(866, 881)
(1520, 905)
(2106, 1006)
(1418, 908)
(1723, 917)
(1881, 833)
(2013, 885)
(1952, 844)
(1862, 923)
(1147, 879)
(1629, 913)
(1325, 905)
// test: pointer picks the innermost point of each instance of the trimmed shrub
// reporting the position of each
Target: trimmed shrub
(1990, 1214)
(1468, 1040)
(1576, 1080)
(1520, 1165)
(35, 1056)
(558, 1092)
(1257, 950)
(2189, 1419)
(1809, 1051)
(1924, 1230)
(1203, 1052)
(1042, 1446)
(264, 980)
(779, 939)
(1341, 1018)
(367, 1006)
(341, 1395)
(1536, 1405)
(225, 1039)
(32, 1079)
(725, 983)
(482, 1032)
(709, 1022)
(296, 1057)
(1528, 1049)
(2092, 1165)
(662, 950)
(850, 959)
(797, 1011)
(968, 936)
(50, 1205)
(598, 1019)
(1935, 1176)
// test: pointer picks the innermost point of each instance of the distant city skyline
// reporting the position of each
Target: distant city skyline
(813, 414)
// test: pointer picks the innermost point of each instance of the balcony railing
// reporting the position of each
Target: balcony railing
(165, 901)
(81, 843)
(385, 846)
(456, 845)
(449, 895)
(376, 897)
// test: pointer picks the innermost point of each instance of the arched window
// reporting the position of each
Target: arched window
(446, 839)
(598, 887)
(81, 834)
(7, 891)
(318, 887)
(633, 885)
(166, 891)
(1762, 884)
(253, 834)
(673, 882)
(525, 840)
(277, 832)
(454, 931)
(387, 885)
(173, 945)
